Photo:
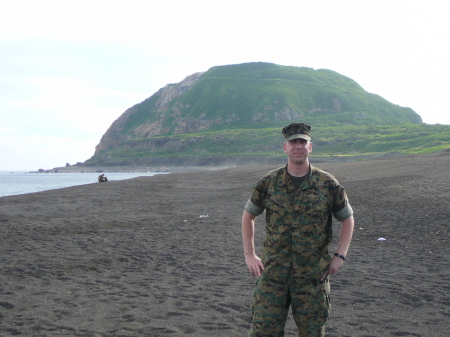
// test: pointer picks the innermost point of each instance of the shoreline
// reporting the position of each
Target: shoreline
(130, 169)
(218, 165)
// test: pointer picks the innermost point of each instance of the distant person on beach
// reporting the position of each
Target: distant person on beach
(102, 178)
(300, 201)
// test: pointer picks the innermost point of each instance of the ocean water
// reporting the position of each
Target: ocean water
(14, 183)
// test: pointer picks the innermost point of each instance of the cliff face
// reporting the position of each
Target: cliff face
(163, 98)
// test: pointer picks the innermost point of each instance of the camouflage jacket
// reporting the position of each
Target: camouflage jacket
(298, 221)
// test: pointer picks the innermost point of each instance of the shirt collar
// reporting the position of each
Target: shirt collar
(286, 183)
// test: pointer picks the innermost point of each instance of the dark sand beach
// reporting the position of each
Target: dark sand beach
(162, 255)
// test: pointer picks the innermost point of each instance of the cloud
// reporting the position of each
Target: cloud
(69, 69)
(32, 152)
(72, 103)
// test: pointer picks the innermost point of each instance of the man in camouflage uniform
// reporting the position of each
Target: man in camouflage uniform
(299, 201)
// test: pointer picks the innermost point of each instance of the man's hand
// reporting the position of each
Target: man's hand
(335, 264)
(254, 264)
(344, 242)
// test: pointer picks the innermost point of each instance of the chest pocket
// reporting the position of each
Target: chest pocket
(314, 204)
(279, 216)
(277, 206)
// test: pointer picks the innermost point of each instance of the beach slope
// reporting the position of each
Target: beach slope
(162, 255)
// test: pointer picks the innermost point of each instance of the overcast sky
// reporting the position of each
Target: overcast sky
(70, 68)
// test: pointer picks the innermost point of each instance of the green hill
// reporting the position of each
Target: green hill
(234, 114)
(262, 92)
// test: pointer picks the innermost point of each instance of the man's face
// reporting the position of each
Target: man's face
(298, 149)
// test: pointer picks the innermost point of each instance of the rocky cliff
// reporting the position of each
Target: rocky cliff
(162, 100)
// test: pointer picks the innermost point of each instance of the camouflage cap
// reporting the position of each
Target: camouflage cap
(297, 130)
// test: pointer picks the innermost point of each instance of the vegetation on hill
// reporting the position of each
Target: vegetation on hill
(265, 92)
(320, 96)
(265, 144)
(235, 113)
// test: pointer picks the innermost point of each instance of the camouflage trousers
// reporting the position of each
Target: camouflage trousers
(274, 294)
